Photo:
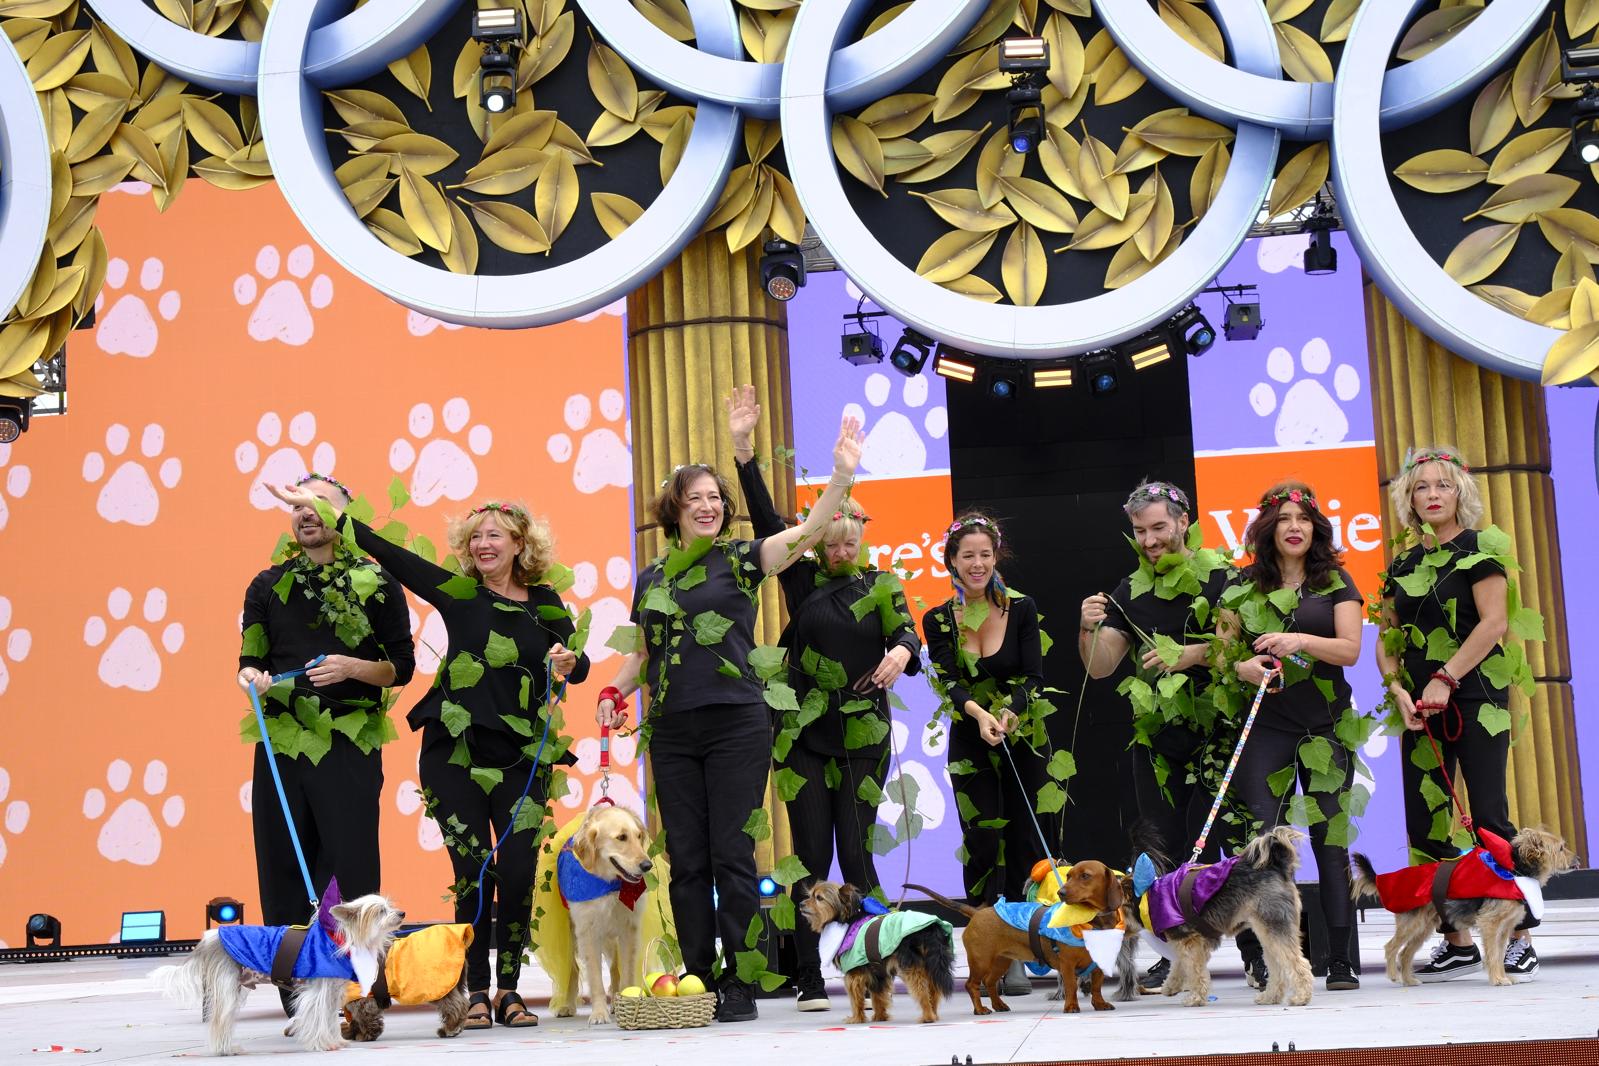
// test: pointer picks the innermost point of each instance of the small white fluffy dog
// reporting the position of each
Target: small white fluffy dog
(214, 979)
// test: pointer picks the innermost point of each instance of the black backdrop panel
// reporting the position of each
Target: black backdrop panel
(1054, 466)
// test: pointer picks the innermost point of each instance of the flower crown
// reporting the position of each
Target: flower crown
(667, 480)
(1299, 496)
(862, 518)
(503, 508)
(1157, 492)
(975, 520)
(1433, 455)
(336, 483)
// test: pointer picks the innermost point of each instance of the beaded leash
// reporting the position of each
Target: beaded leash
(1273, 673)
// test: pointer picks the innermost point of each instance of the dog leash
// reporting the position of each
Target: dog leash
(1272, 674)
(605, 799)
(1465, 819)
(277, 779)
(1054, 868)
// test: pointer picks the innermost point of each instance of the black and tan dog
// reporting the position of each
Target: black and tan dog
(918, 947)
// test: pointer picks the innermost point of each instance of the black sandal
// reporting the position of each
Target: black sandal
(479, 1021)
(513, 1013)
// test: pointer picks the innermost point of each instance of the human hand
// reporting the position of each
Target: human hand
(1407, 708)
(332, 669)
(847, 449)
(1281, 645)
(294, 495)
(989, 728)
(562, 661)
(1192, 655)
(742, 414)
(609, 716)
(893, 665)
(1434, 698)
(1094, 611)
(1253, 671)
(259, 678)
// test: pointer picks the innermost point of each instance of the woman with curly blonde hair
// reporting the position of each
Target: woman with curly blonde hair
(482, 720)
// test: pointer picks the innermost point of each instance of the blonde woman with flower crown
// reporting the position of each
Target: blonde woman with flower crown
(482, 721)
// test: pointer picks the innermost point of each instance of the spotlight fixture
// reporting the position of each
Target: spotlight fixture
(14, 414)
(1003, 380)
(1192, 331)
(499, 31)
(910, 354)
(43, 927)
(223, 910)
(954, 364)
(782, 269)
(1026, 60)
(1321, 257)
(1242, 321)
(1585, 124)
(1052, 377)
(861, 347)
(1101, 371)
(768, 887)
(1148, 350)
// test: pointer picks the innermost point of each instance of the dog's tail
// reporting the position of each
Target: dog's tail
(1362, 876)
(1147, 839)
(181, 983)
(965, 909)
(1275, 849)
(933, 955)
(1127, 969)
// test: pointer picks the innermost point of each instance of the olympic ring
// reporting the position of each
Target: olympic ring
(1388, 249)
(291, 127)
(343, 50)
(24, 176)
(1025, 332)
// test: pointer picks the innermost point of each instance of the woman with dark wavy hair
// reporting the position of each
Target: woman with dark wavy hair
(1297, 610)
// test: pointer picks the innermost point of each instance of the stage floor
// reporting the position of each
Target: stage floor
(111, 1009)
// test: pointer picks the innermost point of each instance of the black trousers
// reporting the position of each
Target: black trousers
(1178, 820)
(335, 806)
(709, 766)
(1475, 759)
(817, 817)
(487, 816)
(999, 858)
(1268, 751)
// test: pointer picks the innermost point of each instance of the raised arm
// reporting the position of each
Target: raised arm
(779, 551)
(742, 414)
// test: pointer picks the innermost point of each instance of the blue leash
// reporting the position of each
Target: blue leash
(277, 779)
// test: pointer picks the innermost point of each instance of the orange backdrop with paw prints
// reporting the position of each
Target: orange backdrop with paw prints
(228, 349)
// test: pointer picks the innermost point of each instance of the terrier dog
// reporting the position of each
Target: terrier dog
(872, 944)
(1193, 907)
(1488, 888)
(346, 944)
(428, 966)
(992, 939)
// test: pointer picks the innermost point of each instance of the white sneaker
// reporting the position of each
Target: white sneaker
(1449, 962)
(1521, 962)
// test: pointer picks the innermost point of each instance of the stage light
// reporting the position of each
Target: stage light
(1026, 60)
(1585, 124)
(1025, 117)
(499, 31)
(954, 364)
(768, 887)
(1101, 373)
(1242, 321)
(143, 927)
(1023, 55)
(782, 269)
(910, 354)
(14, 413)
(1052, 377)
(223, 910)
(861, 347)
(1192, 331)
(1321, 257)
(43, 927)
(1003, 380)
(1147, 351)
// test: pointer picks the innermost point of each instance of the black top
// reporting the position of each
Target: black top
(698, 627)
(1448, 605)
(295, 632)
(1172, 618)
(496, 667)
(1017, 668)
(1303, 704)
(823, 630)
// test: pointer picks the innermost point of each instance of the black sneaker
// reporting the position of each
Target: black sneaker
(1449, 962)
(735, 1003)
(1255, 973)
(1154, 979)
(1521, 962)
(810, 989)
(1341, 976)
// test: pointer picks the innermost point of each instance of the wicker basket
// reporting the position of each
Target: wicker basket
(664, 1012)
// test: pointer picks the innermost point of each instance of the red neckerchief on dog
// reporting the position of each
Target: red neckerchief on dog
(577, 885)
(1484, 872)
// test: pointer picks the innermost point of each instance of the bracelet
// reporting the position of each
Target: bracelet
(849, 480)
(614, 694)
(1446, 677)
(1088, 629)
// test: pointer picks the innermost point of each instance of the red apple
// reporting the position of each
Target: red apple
(665, 985)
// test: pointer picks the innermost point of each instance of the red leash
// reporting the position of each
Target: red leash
(1460, 728)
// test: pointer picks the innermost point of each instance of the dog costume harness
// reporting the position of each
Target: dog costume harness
(875, 935)
(1486, 871)
(421, 967)
(289, 953)
(577, 885)
(1179, 897)
(1045, 927)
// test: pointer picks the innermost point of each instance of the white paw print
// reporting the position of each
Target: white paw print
(419, 325)
(1286, 252)
(282, 312)
(603, 457)
(16, 812)
(895, 445)
(408, 800)
(1308, 414)
(131, 659)
(129, 327)
(623, 786)
(15, 484)
(929, 797)
(18, 642)
(131, 834)
(432, 640)
(607, 612)
(285, 465)
(129, 494)
(442, 469)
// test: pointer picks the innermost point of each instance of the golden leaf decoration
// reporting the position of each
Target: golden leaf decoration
(1183, 134)
(566, 139)
(361, 105)
(33, 9)
(362, 136)
(669, 16)
(1584, 302)
(1575, 354)
(1283, 10)
(60, 183)
(1442, 170)
(1299, 179)
(1570, 269)
(749, 223)
(1156, 230)
(72, 226)
(164, 117)
(365, 195)
(130, 142)
(658, 123)
(898, 115)
(58, 59)
(90, 89)
(1101, 185)
(609, 129)
(974, 288)
(611, 81)
(178, 11)
(1136, 153)
(1303, 59)
(462, 256)
(506, 171)
(614, 212)
(215, 171)
(416, 152)
(787, 219)
(21, 345)
(1534, 152)
(509, 226)
(1026, 16)
(736, 195)
(1553, 309)
(94, 131)
(555, 196)
(1206, 180)
(112, 55)
(761, 138)
(1115, 79)
(1481, 252)
(996, 160)
(954, 254)
(1080, 8)
(674, 146)
(426, 210)
(174, 171)
(1065, 54)
(390, 228)
(1129, 264)
(1058, 155)
(1493, 114)
(1192, 24)
(1099, 229)
(38, 287)
(530, 129)
(1041, 206)
(463, 80)
(948, 149)
(92, 256)
(57, 118)
(211, 127)
(1433, 29)
(1565, 227)
(252, 159)
(1062, 110)
(1508, 299)
(765, 34)
(1537, 72)
(1023, 267)
(415, 74)
(965, 81)
(858, 151)
(544, 54)
(993, 23)
(964, 209)
(27, 35)
(884, 18)
(1581, 16)
(902, 154)
(1525, 197)
(94, 176)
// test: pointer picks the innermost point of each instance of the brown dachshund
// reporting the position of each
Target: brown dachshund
(991, 943)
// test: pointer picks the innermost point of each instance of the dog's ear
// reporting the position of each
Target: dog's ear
(849, 901)
(586, 844)
(1114, 897)
(343, 913)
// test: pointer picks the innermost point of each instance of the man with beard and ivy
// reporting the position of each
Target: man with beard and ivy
(1162, 614)
(326, 726)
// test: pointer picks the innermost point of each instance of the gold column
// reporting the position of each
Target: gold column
(700, 327)
(1424, 394)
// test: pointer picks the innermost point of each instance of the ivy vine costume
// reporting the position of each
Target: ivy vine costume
(326, 738)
